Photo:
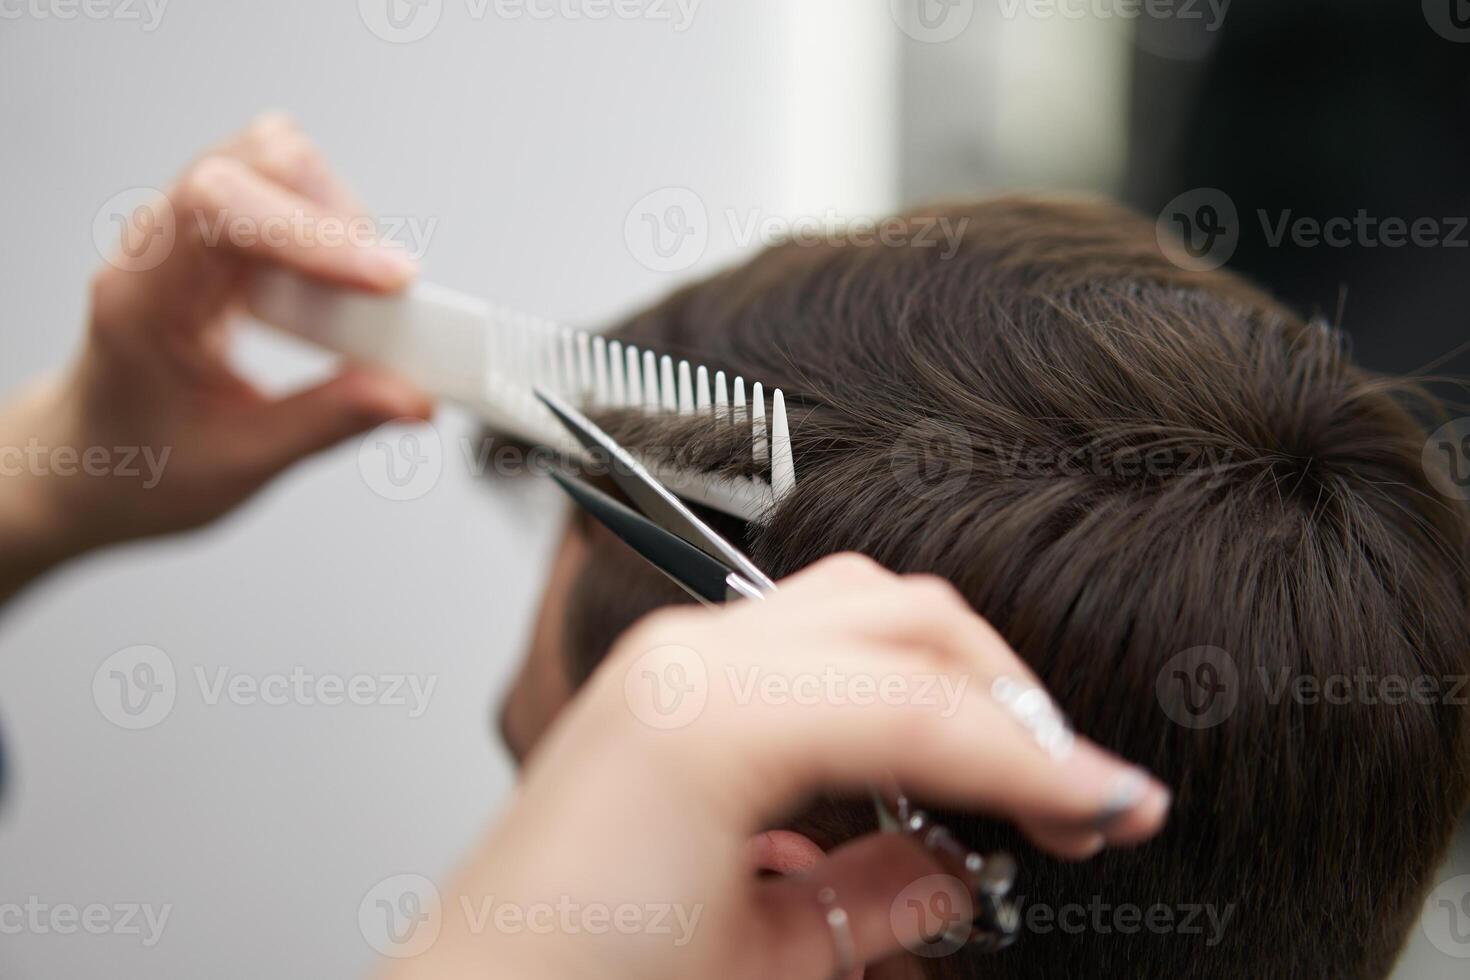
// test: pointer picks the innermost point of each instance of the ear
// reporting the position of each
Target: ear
(542, 688)
(787, 854)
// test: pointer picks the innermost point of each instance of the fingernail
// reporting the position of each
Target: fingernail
(1125, 792)
(1094, 846)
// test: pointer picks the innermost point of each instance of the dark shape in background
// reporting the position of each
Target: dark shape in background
(1324, 109)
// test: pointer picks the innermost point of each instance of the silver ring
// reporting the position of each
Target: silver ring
(1034, 709)
(840, 926)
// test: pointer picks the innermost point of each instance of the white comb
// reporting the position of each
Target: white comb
(489, 360)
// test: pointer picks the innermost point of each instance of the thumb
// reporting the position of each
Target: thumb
(288, 429)
(876, 896)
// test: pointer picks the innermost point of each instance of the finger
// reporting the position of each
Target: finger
(964, 749)
(835, 574)
(259, 219)
(926, 612)
(275, 146)
(852, 592)
(919, 613)
(288, 429)
(1069, 843)
(888, 893)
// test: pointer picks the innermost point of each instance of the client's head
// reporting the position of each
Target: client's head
(1208, 532)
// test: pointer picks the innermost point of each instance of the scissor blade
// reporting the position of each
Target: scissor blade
(661, 506)
(699, 575)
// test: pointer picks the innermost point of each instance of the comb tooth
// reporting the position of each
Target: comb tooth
(783, 467)
(510, 364)
(635, 378)
(584, 364)
(668, 395)
(521, 365)
(569, 365)
(525, 353)
(514, 364)
(529, 362)
(650, 381)
(758, 422)
(701, 391)
(722, 398)
(738, 415)
(616, 392)
(526, 363)
(493, 360)
(546, 356)
(686, 390)
(599, 371)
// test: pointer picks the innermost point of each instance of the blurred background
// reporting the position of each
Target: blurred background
(577, 159)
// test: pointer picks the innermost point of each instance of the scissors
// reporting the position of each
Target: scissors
(674, 540)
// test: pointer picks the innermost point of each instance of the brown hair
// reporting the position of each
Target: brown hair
(1117, 461)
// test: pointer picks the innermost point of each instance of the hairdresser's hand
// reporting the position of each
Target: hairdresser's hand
(699, 731)
(175, 437)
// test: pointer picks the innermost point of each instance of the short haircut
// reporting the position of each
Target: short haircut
(1117, 460)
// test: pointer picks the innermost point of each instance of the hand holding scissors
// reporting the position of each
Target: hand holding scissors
(645, 794)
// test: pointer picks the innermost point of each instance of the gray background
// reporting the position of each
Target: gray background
(526, 143)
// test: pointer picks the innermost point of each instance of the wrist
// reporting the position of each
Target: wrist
(31, 540)
(35, 532)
